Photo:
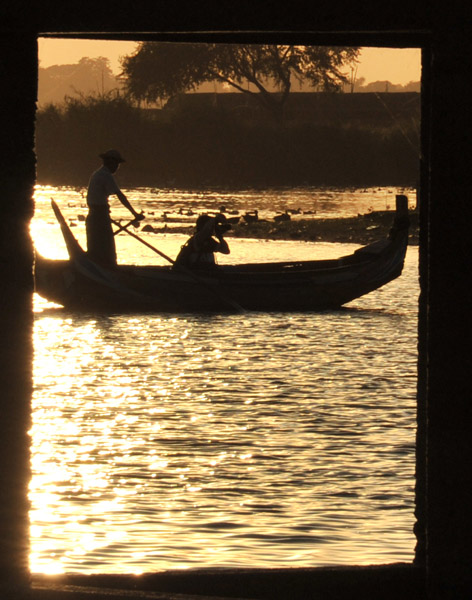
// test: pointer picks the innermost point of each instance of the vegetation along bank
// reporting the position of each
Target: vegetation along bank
(207, 143)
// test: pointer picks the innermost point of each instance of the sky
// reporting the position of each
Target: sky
(399, 66)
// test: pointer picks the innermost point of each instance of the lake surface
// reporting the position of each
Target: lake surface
(183, 441)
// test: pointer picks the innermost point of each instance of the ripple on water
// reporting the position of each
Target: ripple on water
(234, 440)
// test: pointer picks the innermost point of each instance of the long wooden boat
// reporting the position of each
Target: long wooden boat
(80, 284)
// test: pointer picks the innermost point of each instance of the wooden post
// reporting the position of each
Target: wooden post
(448, 298)
(17, 106)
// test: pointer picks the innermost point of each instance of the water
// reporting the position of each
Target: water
(223, 441)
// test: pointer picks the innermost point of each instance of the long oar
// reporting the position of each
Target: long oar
(189, 272)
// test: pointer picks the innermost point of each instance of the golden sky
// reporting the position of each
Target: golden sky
(399, 66)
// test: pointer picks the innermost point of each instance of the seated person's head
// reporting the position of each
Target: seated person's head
(202, 221)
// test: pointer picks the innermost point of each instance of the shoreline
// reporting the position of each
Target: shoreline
(362, 229)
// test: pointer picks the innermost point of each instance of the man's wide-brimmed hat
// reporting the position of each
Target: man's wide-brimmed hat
(114, 154)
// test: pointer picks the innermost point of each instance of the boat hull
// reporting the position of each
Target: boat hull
(80, 284)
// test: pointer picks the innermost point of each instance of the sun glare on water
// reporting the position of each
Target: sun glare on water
(194, 441)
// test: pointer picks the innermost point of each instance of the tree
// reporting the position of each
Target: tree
(157, 71)
(89, 75)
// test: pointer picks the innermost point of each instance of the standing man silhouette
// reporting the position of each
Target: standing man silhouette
(100, 240)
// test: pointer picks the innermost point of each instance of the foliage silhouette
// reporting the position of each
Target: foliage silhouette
(159, 70)
(214, 146)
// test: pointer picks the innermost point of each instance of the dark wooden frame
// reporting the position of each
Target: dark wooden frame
(444, 446)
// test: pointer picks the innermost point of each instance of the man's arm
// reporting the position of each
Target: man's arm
(124, 200)
(223, 245)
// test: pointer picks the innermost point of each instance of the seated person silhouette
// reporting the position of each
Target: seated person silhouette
(198, 252)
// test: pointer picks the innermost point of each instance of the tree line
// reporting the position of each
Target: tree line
(94, 75)
(88, 76)
(214, 146)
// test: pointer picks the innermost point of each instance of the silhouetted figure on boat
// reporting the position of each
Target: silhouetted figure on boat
(100, 240)
(198, 252)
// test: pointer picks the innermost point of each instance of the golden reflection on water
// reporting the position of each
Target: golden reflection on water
(141, 458)
(242, 440)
